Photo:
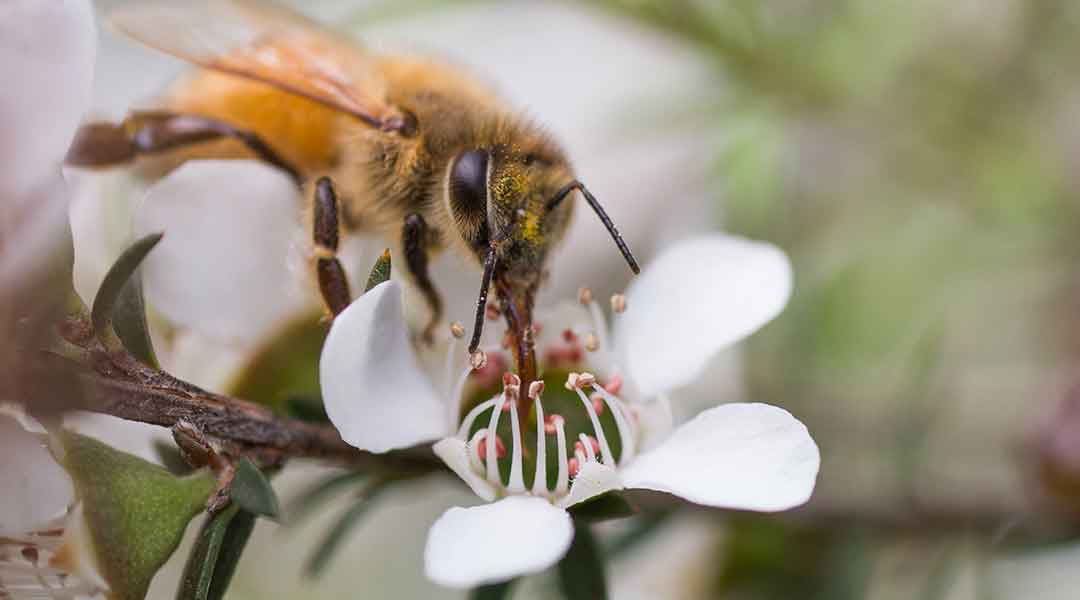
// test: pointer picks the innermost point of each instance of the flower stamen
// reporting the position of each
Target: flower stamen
(512, 388)
(492, 435)
(626, 434)
(539, 488)
(576, 381)
(562, 482)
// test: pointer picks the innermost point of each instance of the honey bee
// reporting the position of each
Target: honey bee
(402, 146)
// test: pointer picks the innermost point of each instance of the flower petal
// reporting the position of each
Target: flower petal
(694, 299)
(741, 456)
(592, 480)
(229, 265)
(36, 489)
(47, 52)
(515, 536)
(455, 453)
(372, 386)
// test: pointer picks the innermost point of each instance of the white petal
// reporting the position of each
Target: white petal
(515, 536)
(592, 480)
(227, 265)
(36, 489)
(47, 54)
(741, 456)
(455, 453)
(694, 299)
(373, 388)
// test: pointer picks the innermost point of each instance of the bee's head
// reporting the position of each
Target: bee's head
(500, 196)
(510, 204)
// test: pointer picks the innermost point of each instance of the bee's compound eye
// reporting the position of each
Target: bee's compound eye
(468, 182)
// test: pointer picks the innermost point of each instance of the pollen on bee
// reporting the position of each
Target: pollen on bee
(457, 330)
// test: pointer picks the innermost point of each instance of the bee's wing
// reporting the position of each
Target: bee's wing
(267, 43)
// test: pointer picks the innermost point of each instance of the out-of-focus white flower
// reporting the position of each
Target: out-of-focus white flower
(47, 54)
(46, 61)
(696, 298)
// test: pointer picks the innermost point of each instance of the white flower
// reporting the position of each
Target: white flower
(581, 439)
(46, 63)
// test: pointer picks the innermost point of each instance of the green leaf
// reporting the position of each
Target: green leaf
(217, 551)
(116, 279)
(252, 491)
(581, 571)
(236, 539)
(380, 272)
(605, 507)
(337, 534)
(129, 321)
(135, 511)
(319, 493)
(494, 591)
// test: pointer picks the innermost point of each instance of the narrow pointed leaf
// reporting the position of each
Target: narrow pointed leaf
(252, 491)
(116, 279)
(380, 272)
(129, 321)
(581, 571)
(232, 547)
(213, 559)
(339, 533)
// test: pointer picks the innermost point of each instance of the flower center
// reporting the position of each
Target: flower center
(574, 419)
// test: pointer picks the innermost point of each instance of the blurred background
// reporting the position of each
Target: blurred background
(915, 159)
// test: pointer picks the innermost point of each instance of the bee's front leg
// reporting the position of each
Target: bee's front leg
(332, 281)
(414, 243)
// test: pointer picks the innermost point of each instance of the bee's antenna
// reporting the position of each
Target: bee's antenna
(604, 218)
(481, 302)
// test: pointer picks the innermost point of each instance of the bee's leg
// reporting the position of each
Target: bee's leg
(332, 282)
(414, 244)
(108, 144)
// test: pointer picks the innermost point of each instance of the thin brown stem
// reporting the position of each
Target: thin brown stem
(116, 384)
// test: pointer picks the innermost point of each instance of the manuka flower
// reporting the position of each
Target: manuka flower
(598, 420)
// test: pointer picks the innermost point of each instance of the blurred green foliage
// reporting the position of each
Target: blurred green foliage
(916, 161)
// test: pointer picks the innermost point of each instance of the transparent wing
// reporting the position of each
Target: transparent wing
(267, 43)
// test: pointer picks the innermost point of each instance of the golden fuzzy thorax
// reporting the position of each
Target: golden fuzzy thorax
(388, 177)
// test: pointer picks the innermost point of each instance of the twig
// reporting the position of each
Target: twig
(115, 383)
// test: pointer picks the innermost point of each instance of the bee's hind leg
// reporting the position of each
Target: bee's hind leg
(148, 132)
(414, 242)
(333, 284)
